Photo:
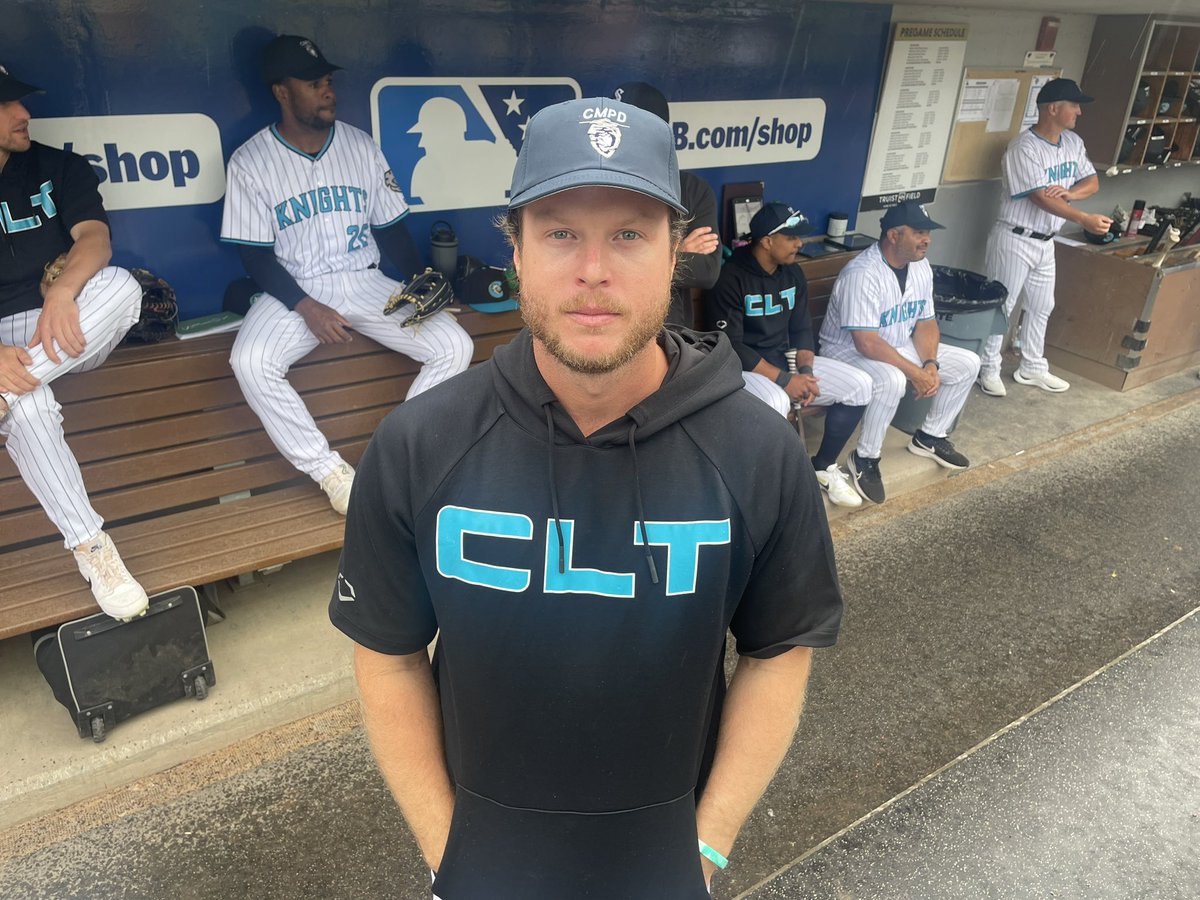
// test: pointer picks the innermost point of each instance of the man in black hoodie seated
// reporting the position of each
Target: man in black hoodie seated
(574, 737)
(760, 302)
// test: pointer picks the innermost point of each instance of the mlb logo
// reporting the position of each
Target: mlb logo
(452, 143)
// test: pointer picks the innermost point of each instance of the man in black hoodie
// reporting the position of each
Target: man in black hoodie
(579, 521)
(760, 302)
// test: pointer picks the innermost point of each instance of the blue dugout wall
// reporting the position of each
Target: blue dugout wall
(159, 94)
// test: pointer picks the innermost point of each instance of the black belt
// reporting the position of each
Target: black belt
(1036, 235)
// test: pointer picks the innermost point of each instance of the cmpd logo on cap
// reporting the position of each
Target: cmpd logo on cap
(604, 129)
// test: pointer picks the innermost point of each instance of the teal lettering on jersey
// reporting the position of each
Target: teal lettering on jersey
(683, 541)
(765, 305)
(338, 198)
(902, 312)
(41, 199)
(1065, 171)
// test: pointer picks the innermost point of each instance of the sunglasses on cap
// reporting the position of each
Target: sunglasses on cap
(790, 222)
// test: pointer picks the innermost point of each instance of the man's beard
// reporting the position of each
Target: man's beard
(536, 317)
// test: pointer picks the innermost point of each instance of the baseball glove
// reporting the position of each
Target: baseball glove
(428, 293)
(160, 309)
(50, 273)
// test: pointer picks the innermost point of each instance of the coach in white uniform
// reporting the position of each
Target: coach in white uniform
(881, 319)
(310, 202)
(1045, 169)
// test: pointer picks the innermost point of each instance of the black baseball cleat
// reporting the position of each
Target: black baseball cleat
(865, 475)
(940, 450)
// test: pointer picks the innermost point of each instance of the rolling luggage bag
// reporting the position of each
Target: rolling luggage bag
(104, 671)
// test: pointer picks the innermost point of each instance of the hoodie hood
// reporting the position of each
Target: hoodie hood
(701, 369)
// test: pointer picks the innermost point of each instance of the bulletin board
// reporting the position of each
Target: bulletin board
(994, 105)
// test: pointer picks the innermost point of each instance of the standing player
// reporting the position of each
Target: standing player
(310, 202)
(700, 253)
(761, 303)
(51, 203)
(1045, 169)
(581, 598)
(881, 320)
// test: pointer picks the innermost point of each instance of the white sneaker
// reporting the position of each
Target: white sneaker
(1044, 380)
(115, 590)
(991, 385)
(836, 483)
(337, 486)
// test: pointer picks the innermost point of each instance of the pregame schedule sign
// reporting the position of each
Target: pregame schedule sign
(916, 113)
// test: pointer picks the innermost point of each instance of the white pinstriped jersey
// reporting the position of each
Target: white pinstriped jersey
(1030, 163)
(867, 297)
(317, 212)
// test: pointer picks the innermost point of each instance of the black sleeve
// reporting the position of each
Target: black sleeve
(261, 265)
(79, 200)
(800, 332)
(700, 270)
(723, 305)
(400, 249)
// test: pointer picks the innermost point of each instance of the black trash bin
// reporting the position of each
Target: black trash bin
(969, 308)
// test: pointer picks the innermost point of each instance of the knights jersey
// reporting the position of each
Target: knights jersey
(1031, 163)
(867, 297)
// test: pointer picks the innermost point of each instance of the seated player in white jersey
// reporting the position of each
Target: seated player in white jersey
(52, 207)
(311, 202)
(1045, 170)
(760, 302)
(881, 320)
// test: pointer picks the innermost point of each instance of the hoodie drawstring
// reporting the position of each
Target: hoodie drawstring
(637, 486)
(562, 548)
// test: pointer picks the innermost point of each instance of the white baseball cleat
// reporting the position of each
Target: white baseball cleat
(836, 484)
(115, 590)
(991, 385)
(1043, 380)
(337, 486)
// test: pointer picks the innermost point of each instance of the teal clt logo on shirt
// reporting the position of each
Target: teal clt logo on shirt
(41, 199)
(902, 312)
(765, 305)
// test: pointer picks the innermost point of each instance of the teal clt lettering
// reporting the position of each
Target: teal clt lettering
(1065, 171)
(41, 200)
(338, 198)
(765, 305)
(902, 312)
(683, 541)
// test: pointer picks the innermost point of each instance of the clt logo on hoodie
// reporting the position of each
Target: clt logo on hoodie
(683, 541)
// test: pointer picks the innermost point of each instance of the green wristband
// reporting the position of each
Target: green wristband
(712, 855)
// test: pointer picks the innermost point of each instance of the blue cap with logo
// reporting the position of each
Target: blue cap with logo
(293, 56)
(596, 142)
(910, 213)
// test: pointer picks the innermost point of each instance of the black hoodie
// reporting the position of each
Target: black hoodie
(580, 682)
(763, 315)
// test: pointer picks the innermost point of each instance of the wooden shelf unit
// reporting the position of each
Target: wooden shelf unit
(1144, 72)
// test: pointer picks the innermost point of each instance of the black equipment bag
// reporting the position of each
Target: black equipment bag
(104, 670)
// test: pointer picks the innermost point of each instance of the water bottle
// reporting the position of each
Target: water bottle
(443, 248)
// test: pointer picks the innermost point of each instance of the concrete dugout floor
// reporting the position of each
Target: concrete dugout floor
(972, 599)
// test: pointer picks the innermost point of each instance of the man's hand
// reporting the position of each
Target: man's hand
(700, 240)
(59, 323)
(803, 389)
(326, 324)
(926, 381)
(1057, 190)
(1096, 223)
(14, 370)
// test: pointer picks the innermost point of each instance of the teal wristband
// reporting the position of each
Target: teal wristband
(712, 855)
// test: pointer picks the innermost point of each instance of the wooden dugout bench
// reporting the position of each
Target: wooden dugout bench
(189, 484)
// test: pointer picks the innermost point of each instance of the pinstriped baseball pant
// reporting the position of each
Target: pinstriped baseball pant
(838, 382)
(272, 338)
(959, 369)
(1025, 266)
(109, 305)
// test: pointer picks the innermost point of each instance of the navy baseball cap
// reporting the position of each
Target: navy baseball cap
(597, 142)
(14, 89)
(1062, 89)
(644, 96)
(293, 56)
(779, 218)
(910, 213)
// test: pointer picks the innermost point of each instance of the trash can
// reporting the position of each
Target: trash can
(969, 308)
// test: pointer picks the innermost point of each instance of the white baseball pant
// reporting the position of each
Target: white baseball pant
(272, 338)
(109, 304)
(1025, 266)
(838, 382)
(959, 369)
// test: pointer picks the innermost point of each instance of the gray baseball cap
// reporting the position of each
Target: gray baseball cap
(598, 142)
